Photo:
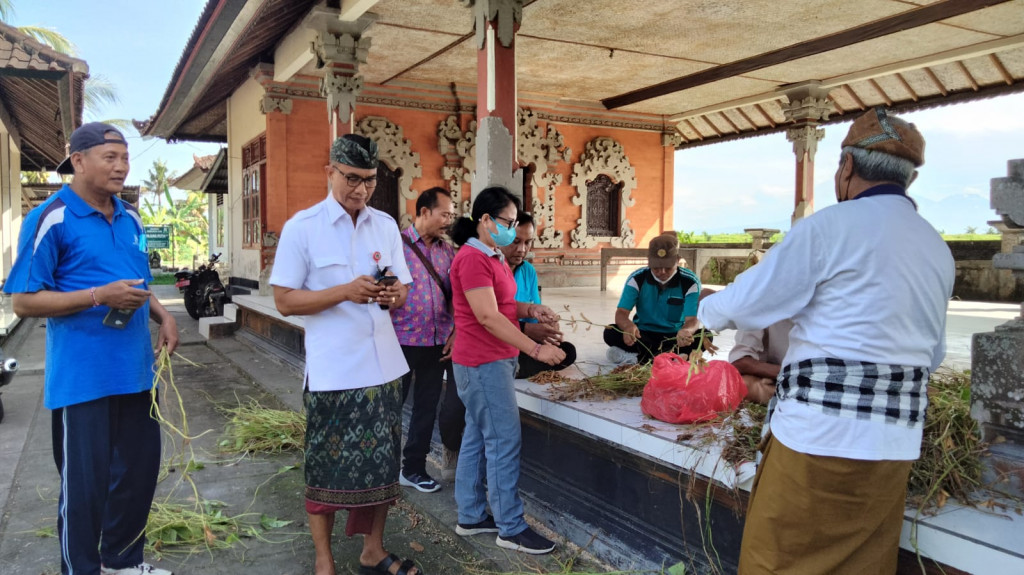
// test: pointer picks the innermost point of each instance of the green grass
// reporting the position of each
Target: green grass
(971, 237)
(162, 280)
(706, 238)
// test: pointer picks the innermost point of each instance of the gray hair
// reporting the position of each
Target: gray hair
(875, 166)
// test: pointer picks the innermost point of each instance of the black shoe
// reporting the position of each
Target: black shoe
(485, 526)
(420, 481)
(529, 541)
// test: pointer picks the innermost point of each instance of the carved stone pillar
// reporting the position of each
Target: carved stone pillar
(760, 236)
(496, 23)
(997, 358)
(808, 106)
(340, 48)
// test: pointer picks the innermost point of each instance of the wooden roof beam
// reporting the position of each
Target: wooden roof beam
(853, 96)
(903, 21)
(970, 78)
(735, 128)
(881, 92)
(935, 80)
(1002, 69)
(767, 117)
(747, 118)
(967, 52)
(695, 130)
(907, 87)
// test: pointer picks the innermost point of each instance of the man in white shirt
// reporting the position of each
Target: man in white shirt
(340, 264)
(866, 284)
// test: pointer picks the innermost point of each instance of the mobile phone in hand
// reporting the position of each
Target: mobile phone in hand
(118, 318)
(386, 281)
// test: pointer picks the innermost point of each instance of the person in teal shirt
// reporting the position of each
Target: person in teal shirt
(665, 296)
(528, 291)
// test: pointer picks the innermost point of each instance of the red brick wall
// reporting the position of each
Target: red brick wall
(297, 150)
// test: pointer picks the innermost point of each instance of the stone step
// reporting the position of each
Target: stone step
(1004, 469)
(231, 311)
(216, 327)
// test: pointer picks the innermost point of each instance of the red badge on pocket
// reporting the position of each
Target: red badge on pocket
(376, 256)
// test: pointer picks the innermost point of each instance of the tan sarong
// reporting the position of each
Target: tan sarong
(810, 514)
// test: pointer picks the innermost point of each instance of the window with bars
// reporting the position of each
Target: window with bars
(254, 172)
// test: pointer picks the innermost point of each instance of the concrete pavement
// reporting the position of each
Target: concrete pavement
(228, 372)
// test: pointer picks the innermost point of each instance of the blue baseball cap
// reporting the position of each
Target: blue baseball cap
(87, 136)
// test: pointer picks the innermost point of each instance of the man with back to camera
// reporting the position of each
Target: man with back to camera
(866, 284)
(82, 264)
(528, 291)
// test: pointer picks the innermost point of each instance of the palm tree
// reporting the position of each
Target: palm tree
(158, 182)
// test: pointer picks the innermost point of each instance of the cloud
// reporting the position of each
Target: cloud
(996, 115)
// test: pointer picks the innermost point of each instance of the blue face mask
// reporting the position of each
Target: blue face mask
(504, 236)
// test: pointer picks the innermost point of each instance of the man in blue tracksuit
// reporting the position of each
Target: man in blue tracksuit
(82, 264)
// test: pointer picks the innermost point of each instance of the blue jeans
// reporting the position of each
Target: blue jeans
(490, 445)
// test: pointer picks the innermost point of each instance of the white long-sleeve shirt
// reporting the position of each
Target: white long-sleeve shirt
(864, 280)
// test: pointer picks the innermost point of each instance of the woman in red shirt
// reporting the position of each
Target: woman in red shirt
(484, 359)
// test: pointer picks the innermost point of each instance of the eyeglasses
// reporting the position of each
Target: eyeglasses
(449, 216)
(508, 222)
(353, 180)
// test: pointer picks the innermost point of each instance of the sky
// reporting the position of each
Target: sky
(718, 188)
(135, 44)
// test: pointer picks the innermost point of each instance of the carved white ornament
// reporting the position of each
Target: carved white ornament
(459, 150)
(603, 156)
(270, 104)
(671, 139)
(505, 13)
(545, 150)
(342, 48)
(394, 150)
(341, 92)
(805, 139)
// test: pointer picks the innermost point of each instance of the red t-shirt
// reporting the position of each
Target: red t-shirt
(473, 269)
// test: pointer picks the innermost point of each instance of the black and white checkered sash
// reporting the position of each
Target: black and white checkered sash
(893, 394)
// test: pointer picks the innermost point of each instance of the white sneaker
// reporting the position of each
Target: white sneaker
(619, 356)
(140, 569)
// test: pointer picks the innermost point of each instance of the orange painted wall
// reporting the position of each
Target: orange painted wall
(297, 150)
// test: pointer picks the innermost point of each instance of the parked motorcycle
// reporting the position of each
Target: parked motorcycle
(203, 291)
(8, 367)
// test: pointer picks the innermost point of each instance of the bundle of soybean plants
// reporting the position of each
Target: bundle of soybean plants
(622, 381)
(253, 428)
(951, 446)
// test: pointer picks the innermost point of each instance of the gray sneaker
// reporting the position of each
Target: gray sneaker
(619, 356)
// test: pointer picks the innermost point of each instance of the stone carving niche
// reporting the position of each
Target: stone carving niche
(544, 149)
(459, 151)
(603, 170)
(395, 151)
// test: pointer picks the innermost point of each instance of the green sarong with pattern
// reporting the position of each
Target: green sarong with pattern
(353, 445)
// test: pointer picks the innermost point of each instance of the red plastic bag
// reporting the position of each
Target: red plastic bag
(668, 396)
